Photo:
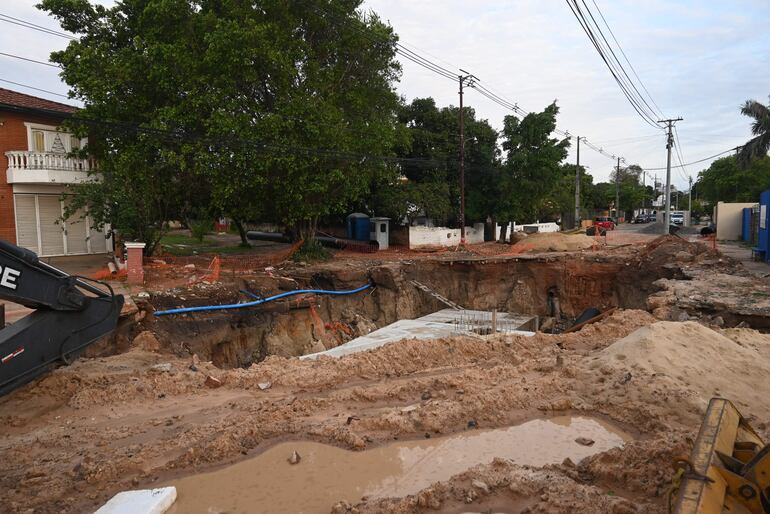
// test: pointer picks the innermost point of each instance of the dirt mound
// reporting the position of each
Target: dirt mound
(695, 358)
(553, 242)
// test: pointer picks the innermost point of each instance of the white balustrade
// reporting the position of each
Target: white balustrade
(21, 160)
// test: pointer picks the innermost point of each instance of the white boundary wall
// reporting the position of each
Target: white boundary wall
(432, 237)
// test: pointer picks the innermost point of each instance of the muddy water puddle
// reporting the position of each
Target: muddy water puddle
(326, 474)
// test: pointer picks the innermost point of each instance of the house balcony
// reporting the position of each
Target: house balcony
(46, 168)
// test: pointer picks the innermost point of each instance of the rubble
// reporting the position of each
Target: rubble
(185, 395)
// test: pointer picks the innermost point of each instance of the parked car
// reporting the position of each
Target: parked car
(604, 222)
(677, 218)
(642, 218)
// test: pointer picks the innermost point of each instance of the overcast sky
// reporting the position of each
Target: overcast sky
(700, 59)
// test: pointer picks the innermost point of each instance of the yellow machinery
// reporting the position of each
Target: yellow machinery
(729, 469)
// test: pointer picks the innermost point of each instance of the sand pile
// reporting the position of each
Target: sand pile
(697, 359)
(553, 242)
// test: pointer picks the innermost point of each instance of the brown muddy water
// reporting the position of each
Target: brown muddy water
(326, 474)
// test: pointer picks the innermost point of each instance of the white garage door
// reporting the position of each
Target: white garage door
(96, 239)
(26, 221)
(39, 228)
(77, 233)
(51, 230)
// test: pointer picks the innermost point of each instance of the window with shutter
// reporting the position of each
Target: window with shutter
(38, 137)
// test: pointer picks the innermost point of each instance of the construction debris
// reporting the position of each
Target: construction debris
(137, 413)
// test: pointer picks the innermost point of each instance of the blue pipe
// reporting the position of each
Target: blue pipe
(259, 302)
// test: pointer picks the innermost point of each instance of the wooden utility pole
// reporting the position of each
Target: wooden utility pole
(617, 192)
(577, 186)
(464, 80)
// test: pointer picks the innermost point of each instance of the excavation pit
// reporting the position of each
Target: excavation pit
(326, 474)
(522, 288)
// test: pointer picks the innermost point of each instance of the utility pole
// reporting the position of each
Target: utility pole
(577, 186)
(617, 192)
(464, 80)
(689, 202)
(669, 145)
(644, 188)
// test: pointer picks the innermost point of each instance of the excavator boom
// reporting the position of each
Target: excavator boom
(70, 313)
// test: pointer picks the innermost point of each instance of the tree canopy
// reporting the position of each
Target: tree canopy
(260, 108)
(758, 146)
(531, 165)
(726, 181)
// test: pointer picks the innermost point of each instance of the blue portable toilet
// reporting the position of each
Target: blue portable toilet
(357, 226)
(763, 242)
(746, 224)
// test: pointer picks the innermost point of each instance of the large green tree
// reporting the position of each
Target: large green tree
(531, 166)
(561, 200)
(429, 172)
(725, 180)
(261, 108)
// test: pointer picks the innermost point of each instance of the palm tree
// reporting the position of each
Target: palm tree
(758, 146)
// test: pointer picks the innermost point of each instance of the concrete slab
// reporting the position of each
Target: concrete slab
(454, 316)
(433, 326)
(143, 501)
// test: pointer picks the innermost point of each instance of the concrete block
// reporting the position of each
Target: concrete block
(143, 501)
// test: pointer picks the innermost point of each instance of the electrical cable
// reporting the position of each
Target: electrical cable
(446, 73)
(260, 302)
(698, 161)
(30, 60)
(660, 111)
(584, 24)
(32, 87)
(620, 65)
(678, 147)
(27, 24)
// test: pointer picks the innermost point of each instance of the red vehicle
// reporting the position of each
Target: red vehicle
(604, 223)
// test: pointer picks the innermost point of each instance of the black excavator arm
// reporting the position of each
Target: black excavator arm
(70, 313)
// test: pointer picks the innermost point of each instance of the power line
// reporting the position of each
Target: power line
(181, 135)
(30, 60)
(628, 80)
(698, 161)
(627, 140)
(626, 59)
(682, 171)
(575, 8)
(487, 92)
(35, 88)
(30, 25)
(611, 66)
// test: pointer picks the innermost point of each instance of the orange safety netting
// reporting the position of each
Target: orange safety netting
(106, 274)
(212, 273)
(240, 262)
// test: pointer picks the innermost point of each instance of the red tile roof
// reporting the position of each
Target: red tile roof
(16, 99)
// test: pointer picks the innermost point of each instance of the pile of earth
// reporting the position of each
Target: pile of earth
(694, 358)
(657, 228)
(552, 242)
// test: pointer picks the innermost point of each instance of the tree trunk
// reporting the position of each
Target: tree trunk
(489, 229)
(503, 232)
(306, 229)
(241, 232)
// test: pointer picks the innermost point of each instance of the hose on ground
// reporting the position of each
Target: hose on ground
(184, 310)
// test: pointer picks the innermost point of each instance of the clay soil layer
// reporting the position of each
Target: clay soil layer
(152, 413)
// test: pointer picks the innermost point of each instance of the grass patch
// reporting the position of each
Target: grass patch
(181, 239)
(311, 251)
(182, 245)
